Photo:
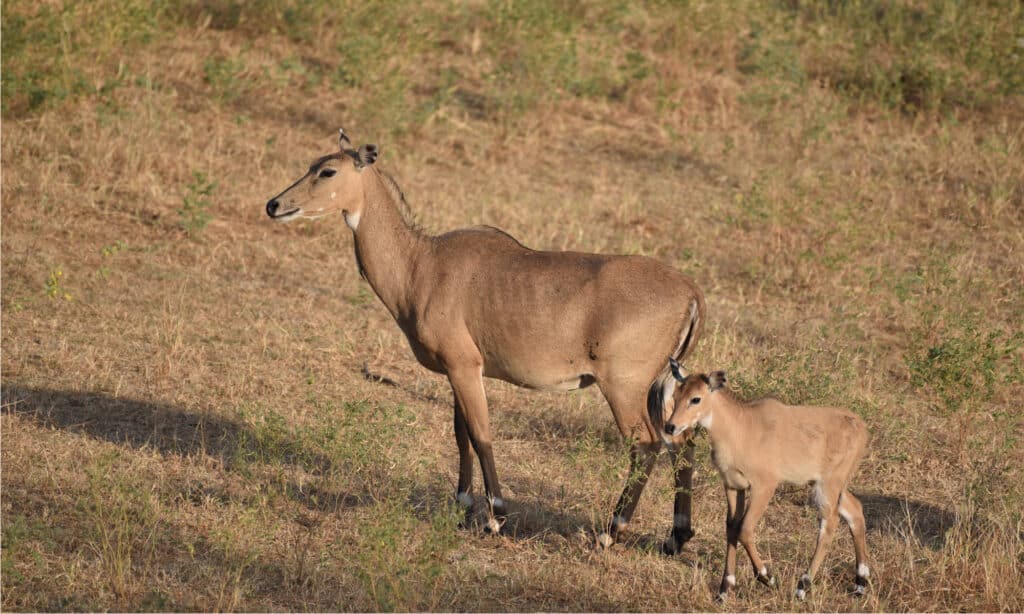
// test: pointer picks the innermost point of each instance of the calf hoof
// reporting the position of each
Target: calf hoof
(605, 541)
(768, 580)
(723, 589)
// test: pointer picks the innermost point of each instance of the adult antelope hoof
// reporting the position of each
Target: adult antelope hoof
(861, 587)
(803, 587)
(675, 542)
(494, 525)
(497, 516)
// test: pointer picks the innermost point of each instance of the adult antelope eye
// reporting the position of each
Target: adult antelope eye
(694, 400)
(327, 172)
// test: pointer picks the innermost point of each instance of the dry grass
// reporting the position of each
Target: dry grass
(186, 421)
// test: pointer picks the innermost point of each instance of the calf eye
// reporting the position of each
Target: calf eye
(327, 172)
(694, 400)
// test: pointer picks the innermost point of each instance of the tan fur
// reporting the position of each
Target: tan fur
(757, 445)
(475, 302)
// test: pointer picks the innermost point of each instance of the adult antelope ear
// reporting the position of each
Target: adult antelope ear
(343, 142)
(367, 154)
(716, 381)
(678, 370)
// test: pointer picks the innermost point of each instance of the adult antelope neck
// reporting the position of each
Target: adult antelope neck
(389, 249)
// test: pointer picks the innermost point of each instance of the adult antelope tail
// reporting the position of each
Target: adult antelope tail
(665, 384)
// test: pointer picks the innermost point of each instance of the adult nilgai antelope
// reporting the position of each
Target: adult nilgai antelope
(757, 445)
(476, 303)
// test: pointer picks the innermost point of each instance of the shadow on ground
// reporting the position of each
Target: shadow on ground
(173, 430)
(142, 424)
(901, 517)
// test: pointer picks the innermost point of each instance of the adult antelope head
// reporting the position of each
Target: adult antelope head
(333, 183)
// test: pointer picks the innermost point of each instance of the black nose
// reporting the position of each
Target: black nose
(272, 206)
(670, 428)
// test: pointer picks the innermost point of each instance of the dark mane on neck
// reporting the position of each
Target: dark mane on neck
(408, 215)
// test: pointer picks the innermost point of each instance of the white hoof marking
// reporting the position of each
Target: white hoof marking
(465, 499)
(863, 571)
(605, 541)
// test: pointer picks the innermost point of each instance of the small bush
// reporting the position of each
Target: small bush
(194, 214)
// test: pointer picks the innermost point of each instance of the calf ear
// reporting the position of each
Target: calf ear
(716, 380)
(367, 154)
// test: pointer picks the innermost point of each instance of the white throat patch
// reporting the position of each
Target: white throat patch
(351, 219)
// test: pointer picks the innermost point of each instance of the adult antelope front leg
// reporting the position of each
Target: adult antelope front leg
(468, 389)
(463, 493)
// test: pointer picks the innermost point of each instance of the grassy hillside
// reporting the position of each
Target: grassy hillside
(191, 418)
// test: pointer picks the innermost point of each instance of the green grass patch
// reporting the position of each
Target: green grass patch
(931, 56)
(72, 49)
(120, 514)
(400, 560)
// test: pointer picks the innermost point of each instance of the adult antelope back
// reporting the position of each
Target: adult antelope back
(476, 303)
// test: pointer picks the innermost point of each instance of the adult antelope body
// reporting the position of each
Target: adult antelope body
(757, 445)
(476, 303)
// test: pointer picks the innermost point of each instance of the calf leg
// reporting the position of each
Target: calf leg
(851, 511)
(828, 513)
(736, 501)
(682, 531)
(760, 495)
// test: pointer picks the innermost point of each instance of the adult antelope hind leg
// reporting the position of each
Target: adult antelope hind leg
(682, 531)
(628, 404)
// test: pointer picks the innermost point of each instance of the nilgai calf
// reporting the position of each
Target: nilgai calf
(755, 446)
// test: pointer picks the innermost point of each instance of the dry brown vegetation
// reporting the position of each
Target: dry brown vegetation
(187, 419)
